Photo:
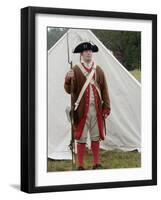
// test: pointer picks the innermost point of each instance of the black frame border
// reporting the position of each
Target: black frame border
(28, 98)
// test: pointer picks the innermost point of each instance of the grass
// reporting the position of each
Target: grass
(137, 74)
(109, 160)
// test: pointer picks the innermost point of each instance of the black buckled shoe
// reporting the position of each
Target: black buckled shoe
(97, 166)
(81, 168)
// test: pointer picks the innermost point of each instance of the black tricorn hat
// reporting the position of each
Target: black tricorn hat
(85, 46)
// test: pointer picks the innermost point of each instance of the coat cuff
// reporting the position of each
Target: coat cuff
(106, 111)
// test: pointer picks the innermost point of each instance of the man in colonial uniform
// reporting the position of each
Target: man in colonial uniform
(91, 105)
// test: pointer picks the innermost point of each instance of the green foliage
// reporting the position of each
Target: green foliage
(125, 45)
(53, 35)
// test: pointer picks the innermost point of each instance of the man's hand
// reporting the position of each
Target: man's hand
(105, 115)
(106, 112)
(70, 74)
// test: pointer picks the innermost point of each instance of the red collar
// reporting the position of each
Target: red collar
(88, 69)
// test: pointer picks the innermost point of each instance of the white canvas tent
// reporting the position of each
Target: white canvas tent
(124, 123)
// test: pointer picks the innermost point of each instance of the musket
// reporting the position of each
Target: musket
(72, 142)
(104, 124)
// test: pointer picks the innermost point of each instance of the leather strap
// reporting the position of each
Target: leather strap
(89, 79)
(93, 82)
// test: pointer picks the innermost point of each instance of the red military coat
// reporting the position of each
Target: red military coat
(80, 114)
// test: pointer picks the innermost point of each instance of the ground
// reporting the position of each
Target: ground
(137, 74)
(109, 159)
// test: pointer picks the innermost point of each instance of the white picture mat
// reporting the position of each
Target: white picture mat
(44, 178)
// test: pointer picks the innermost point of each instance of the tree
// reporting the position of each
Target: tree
(53, 35)
(125, 46)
